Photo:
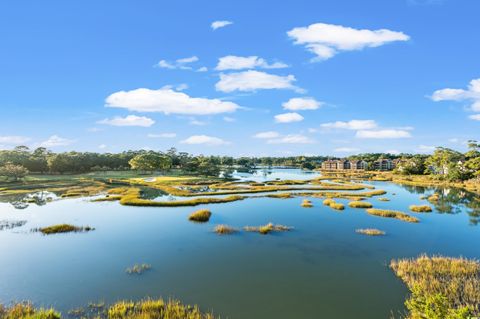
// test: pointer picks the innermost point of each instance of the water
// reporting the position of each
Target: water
(322, 269)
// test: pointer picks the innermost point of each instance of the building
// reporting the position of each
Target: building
(342, 165)
(383, 164)
(358, 165)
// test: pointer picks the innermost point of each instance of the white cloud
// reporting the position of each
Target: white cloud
(205, 140)
(326, 40)
(288, 117)
(14, 140)
(351, 125)
(229, 119)
(162, 135)
(268, 134)
(254, 80)
(55, 140)
(300, 103)
(182, 64)
(102, 146)
(475, 117)
(346, 150)
(291, 139)
(232, 62)
(130, 120)
(202, 69)
(383, 134)
(425, 149)
(393, 152)
(194, 121)
(220, 24)
(471, 94)
(167, 101)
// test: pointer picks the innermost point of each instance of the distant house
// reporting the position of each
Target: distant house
(383, 164)
(342, 164)
(358, 165)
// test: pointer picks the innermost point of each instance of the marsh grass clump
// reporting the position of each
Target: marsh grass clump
(360, 204)
(306, 203)
(27, 311)
(200, 216)
(280, 195)
(433, 198)
(420, 208)
(392, 214)
(268, 228)
(224, 230)
(370, 232)
(138, 269)
(64, 228)
(383, 199)
(441, 287)
(328, 201)
(10, 224)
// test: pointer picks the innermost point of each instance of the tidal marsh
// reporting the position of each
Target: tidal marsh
(392, 214)
(64, 228)
(224, 230)
(268, 228)
(360, 204)
(370, 232)
(420, 208)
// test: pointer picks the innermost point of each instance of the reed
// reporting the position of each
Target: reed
(392, 214)
(201, 216)
(224, 230)
(138, 269)
(360, 204)
(370, 231)
(420, 208)
(268, 228)
(63, 228)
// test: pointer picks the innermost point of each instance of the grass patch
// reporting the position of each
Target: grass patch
(392, 214)
(138, 269)
(441, 287)
(280, 195)
(27, 311)
(360, 204)
(370, 231)
(268, 228)
(433, 198)
(333, 204)
(383, 199)
(64, 228)
(224, 230)
(328, 201)
(307, 203)
(420, 208)
(201, 216)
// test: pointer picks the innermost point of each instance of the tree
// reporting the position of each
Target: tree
(447, 163)
(12, 171)
(150, 161)
(473, 158)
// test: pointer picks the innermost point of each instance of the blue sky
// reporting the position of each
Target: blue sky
(274, 78)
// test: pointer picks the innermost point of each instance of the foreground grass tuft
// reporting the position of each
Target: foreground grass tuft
(64, 228)
(392, 214)
(224, 230)
(201, 216)
(268, 228)
(27, 311)
(420, 208)
(441, 287)
(138, 269)
(360, 204)
(370, 232)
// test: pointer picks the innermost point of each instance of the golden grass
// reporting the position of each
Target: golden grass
(280, 195)
(307, 203)
(268, 228)
(441, 287)
(328, 201)
(337, 206)
(360, 204)
(138, 269)
(433, 198)
(383, 199)
(370, 231)
(201, 216)
(392, 214)
(63, 228)
(224, 230)
(420, 208)
(27, 311)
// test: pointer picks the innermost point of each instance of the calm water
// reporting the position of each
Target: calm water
(322, 269)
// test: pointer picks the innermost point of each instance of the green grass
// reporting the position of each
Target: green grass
(201, 216)
(370, 232)
(63, 228)
(268, 228)
(392, 214)
(441, 287)
(420, 208)
(224, 230)
(360, 204)
(27, 311)
(138, 269)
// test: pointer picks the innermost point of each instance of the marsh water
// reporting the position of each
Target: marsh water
(321, 269)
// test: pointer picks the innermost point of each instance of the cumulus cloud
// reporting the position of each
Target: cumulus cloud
(205, 140)
(220, 24)
(130, 120)
(346, 150)
(471, 94)
(383, 134)
(291, 139)
(13, 140)
(326, 40)
(254, 80)
(351, 125)
(182, 64)
(268, 134)
(232, 62)
(167, 101)
(55, 141)
(162, 135)
(288, 117)
(300, 103)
